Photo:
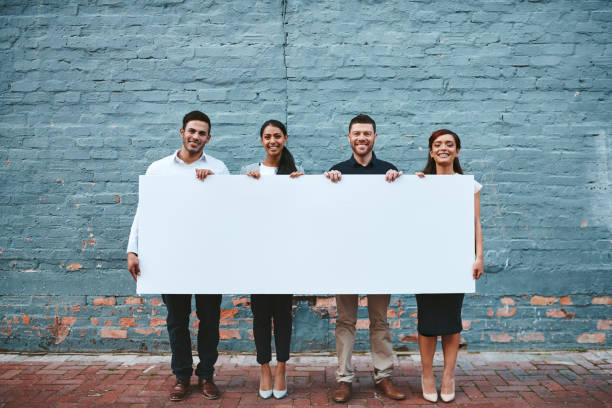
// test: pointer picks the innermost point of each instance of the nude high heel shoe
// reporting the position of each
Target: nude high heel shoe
(278, 394)
(448, 397)
(433, 397)
(265, 394)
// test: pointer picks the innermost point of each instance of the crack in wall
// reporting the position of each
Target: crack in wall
(286, 36)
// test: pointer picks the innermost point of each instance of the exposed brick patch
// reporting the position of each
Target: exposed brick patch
(225, 334)
(134, 301)
(230, 322)
(157, 321)
(592, 338)
(74, 266)
(505, 312)
(109, 301)
(395, 324)
(242, 301)
(500, 338)
(113, 333)
(391, 313)
(538, 300)
(559, 313)
(25, 319)
(566, 300)
(409, 338)
(68, 320)
(323, 301)
(363, 301)
(58, 331)
(466, 324)
(156, 301)
(490, 312)
(146, 332)
(602, 300)
(93, 321)
(127, 322)
(507, 301)
(414, 315)
(531, 337)
(604, 324)
(228, 313)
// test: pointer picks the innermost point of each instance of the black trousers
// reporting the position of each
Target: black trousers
(268, 308)
(208, 309)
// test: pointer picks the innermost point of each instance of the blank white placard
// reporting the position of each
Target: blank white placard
(235, 234)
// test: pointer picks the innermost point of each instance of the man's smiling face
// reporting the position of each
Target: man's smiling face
(195, 136)
(362, 137)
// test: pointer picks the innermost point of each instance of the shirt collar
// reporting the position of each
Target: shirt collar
(178, 160)
(355, 164)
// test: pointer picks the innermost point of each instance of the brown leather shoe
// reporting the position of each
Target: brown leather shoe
(386, 387)
(180, 390)
(209, 389)
(342, 393)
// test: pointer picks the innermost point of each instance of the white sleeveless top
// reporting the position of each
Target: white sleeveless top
(266, 170)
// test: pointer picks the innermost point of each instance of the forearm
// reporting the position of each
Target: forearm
(478, 238)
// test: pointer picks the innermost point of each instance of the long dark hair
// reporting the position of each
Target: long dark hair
(430, 167)
(286, 164)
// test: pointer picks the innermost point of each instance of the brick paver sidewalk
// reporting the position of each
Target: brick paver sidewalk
(489, 379)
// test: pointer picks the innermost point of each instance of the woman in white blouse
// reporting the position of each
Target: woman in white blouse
(440, 314)
(269, 308)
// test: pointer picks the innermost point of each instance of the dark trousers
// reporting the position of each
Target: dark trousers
(208, 309)
(265, 309)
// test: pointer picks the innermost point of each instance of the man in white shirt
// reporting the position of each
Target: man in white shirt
(189, 161)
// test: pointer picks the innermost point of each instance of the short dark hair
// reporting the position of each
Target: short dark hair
(196, 115)
(362, 118)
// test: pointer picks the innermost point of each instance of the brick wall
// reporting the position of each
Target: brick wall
(93, 92)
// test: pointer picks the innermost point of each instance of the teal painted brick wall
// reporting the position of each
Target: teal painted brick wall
(92, 92)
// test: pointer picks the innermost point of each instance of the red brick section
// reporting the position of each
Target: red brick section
(564, 379)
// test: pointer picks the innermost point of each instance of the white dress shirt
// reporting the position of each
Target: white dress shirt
(170, 166)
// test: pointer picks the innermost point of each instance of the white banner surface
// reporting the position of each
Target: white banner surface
(235, 234)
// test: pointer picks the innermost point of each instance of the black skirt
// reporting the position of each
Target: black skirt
(439, 313)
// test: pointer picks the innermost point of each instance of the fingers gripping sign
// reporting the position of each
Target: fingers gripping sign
(133, 265)
(201, 174)
(392, 175)
(333, 175)
(254, 174)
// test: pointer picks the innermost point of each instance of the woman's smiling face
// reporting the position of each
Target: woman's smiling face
(273, 140)
(444, 150)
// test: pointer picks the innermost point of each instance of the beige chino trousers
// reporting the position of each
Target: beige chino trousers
(380, 336)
